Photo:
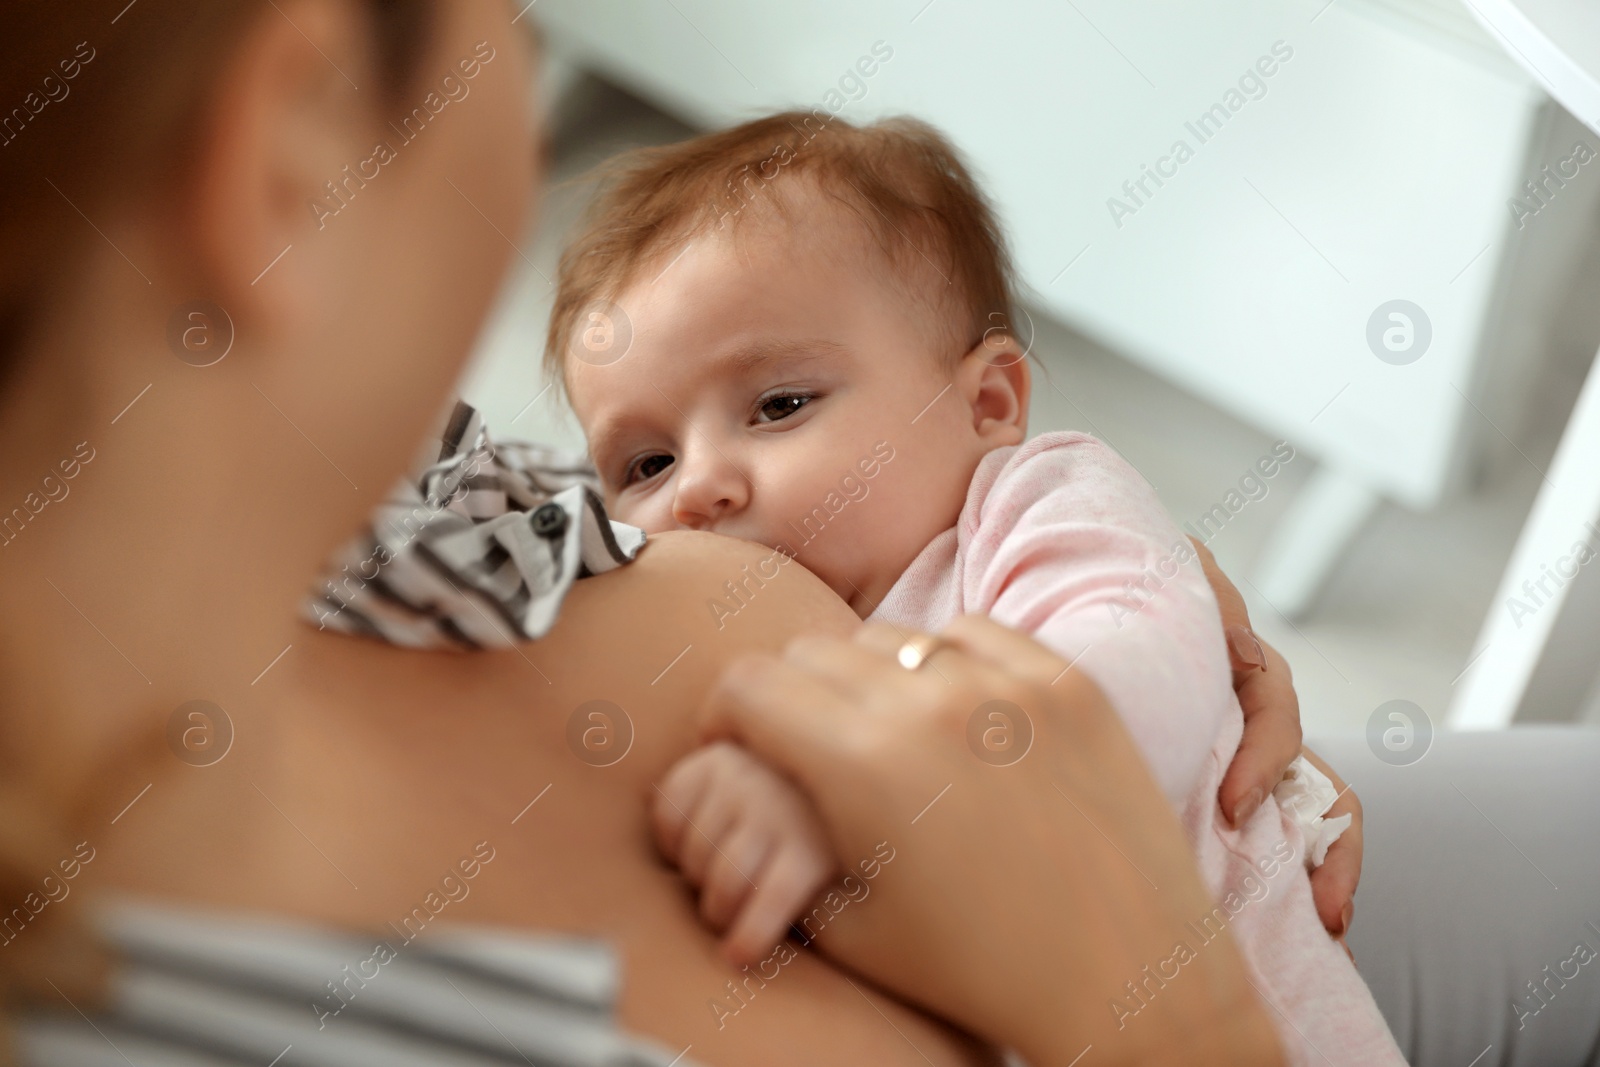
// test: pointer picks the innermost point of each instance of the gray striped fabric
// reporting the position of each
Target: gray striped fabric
(478, 550)
(201, 988)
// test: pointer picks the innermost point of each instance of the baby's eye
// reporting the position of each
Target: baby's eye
(648, 467)
(781, 406)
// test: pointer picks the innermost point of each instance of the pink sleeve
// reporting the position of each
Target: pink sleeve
(1073, 547)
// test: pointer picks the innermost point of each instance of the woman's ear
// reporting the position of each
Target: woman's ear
(996, 382)
(285, 119)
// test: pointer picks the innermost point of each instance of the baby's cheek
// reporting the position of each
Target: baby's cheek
(907, 525)
(623, 511)
(652, 523)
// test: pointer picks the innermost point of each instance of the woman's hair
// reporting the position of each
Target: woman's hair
(100, 104)
(100, 101)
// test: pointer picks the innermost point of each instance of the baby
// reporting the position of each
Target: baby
(798, 332)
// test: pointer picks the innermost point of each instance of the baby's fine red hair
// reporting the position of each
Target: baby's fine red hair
(905, 182)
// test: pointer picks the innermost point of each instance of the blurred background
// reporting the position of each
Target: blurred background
(1379, 242)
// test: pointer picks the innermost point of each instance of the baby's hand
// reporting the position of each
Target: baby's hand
(746, 838)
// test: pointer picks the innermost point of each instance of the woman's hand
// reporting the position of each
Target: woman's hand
(1012, 896)
(1333, 885)
(1271, 742)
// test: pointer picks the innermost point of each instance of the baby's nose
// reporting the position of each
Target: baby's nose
(708, 492)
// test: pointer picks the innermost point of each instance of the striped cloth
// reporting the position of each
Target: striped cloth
(477, 550)
(202, 989)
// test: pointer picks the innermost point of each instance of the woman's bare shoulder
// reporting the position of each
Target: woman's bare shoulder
(663, 627)
(738, 589)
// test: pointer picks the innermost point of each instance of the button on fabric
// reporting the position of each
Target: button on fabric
(437, 577)
(549, 520)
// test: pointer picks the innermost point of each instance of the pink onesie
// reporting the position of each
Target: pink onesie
(1060, 538)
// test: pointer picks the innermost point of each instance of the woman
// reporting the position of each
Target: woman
(347, 260)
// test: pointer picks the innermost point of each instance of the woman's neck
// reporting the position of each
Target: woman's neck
(135, 572)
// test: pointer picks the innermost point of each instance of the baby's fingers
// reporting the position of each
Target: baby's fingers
(695, 809)
(730, 877)
(785, 886)
(679, 792)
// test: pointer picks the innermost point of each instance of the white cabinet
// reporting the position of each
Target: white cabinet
(1225, 191)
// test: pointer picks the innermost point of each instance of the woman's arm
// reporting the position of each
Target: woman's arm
(1272, 739)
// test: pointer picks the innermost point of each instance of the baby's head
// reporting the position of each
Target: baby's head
(797, 332)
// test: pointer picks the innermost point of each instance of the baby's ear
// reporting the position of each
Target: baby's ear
(996, 381)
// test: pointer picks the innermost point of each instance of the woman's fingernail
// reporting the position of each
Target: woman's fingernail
(1344, 918)
(1246, 648)
(1247, 807)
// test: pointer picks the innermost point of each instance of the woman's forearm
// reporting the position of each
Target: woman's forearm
(1210, 1017)
(1023, 901)
(1244, 1038)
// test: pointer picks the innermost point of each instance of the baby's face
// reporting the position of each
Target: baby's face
(778, 389)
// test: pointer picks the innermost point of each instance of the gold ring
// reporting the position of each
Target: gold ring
(918, 647)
